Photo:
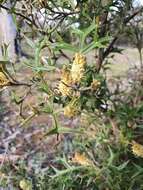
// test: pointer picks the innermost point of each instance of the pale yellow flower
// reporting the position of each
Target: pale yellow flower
(65, 83)
(137, 149)
(95, 84)
(81, 159)
(3, 80)
(70, 111)
(2, 175)
(25, 184)
(78, 67)
(79, 59)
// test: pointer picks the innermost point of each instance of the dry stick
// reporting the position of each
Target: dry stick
(29, 118)
(22, 101)
(17, 84)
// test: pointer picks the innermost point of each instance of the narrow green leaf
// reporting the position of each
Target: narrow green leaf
(66, 46)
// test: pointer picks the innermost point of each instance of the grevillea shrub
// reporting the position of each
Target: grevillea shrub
(91, 137)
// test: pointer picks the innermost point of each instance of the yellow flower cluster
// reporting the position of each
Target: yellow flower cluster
(81, 159)
(78, 67)
(25, 184)
(71, 109)
(69, 79)
(95, 84)
(3, 80)
(73, 76)
(2, 175)
(65, 83)
(137, 149)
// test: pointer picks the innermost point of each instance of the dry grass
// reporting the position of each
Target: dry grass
(121, 63)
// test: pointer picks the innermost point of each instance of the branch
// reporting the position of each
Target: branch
(116, 37)
(62, 12)
(110, 47)
(17, 13)
(126, 20)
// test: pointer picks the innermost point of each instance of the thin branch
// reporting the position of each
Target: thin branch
(16, 13)
(126, 20)
(62, 12)
(116, 37)
(18, 84)
(110, 47)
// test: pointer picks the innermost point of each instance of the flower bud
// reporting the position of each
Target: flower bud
(72, 109)
(137, 149)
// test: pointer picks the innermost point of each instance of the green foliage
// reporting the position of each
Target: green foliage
(96, 151)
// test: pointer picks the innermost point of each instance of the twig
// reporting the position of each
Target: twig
(108, 50)
(126, 20)
(17, 13)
